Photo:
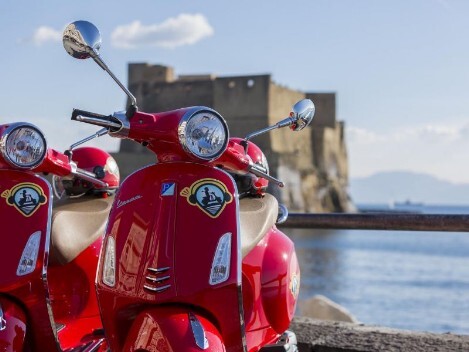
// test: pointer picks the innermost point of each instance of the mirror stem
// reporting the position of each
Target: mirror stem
(100, 133)
(102, 64)
(284, 123)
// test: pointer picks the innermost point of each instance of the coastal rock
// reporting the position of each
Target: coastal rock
(322, 308)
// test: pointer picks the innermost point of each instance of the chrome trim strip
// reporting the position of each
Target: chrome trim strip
(159, 270)
(123, 132)
(239, 268)
(157, 289)
(3, 323)
(157, 279)
(198, 332)
(45, 264)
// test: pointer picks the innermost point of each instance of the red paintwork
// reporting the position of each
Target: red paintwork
(167, 329)
(72, 294)
(153, 231)
(55, 163)
(167, 231)
(12, 339)
(29, 290)
(73, 297)
(269, 302)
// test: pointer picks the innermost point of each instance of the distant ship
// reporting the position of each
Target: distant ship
(407, 206)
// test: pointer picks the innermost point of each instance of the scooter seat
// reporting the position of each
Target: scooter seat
(256, 217)
(76, 224)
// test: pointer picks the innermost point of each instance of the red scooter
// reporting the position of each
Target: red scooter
(186, 264)
(189, 267)
(44, 306)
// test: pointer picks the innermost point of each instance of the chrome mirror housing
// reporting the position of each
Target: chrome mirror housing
(82, 40)
(302, 114)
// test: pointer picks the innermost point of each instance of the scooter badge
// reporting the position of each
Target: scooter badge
(295, 285)
(25, 197)
(210, 195)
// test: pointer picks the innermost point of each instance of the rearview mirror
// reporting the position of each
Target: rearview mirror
(302, 114)
(82, 40)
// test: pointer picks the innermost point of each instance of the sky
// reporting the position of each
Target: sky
(400, 69)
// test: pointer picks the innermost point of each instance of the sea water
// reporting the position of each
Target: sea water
(401, 279)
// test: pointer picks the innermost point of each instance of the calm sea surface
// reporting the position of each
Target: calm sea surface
(401, 279)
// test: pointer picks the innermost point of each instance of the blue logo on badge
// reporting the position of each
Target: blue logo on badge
(167, 189)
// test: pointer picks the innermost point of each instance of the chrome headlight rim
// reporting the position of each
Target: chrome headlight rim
(3, 142)
(183, 139)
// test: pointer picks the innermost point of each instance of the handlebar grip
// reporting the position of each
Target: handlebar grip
(97, 119)
(77, 112)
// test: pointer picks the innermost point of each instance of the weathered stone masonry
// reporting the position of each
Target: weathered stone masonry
(312, 163)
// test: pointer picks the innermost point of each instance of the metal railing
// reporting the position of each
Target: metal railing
(379, 221)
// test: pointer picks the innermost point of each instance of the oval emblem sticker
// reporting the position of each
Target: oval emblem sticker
(209, 194)
(25, 197)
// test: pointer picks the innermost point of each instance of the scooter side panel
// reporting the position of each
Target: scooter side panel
(25, 209)
(166, 236)
(271, 279)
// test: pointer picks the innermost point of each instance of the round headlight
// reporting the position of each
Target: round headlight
(204, 134)
(23, 145)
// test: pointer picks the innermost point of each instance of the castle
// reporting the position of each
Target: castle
(312, 163)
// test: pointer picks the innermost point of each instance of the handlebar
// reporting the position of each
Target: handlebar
(96, 119)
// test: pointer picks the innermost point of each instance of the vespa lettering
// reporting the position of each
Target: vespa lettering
(121, 203)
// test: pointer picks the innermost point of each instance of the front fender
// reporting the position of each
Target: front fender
(172, 329)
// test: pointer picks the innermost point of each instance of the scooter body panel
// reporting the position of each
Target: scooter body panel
(166, 223)
(73, 298)
(25, 212)
(271, 279)
(13, 326)
(173, 329)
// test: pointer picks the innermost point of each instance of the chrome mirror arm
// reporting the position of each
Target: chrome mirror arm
(100, 133)
(300, 117)
(97, 58)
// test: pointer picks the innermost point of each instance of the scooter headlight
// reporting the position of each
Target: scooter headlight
(203, 133)
(23, 145)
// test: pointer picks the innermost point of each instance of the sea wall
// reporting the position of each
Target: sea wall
(323, 336)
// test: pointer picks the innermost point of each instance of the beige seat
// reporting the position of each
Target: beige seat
(76, 224)
(257, 216)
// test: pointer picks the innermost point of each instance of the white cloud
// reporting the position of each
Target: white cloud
(45, 34)
(185, 29)
(437, 149)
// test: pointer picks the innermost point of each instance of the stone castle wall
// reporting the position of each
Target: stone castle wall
(312, 163)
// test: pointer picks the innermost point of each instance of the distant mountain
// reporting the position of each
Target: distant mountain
(403, 186)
